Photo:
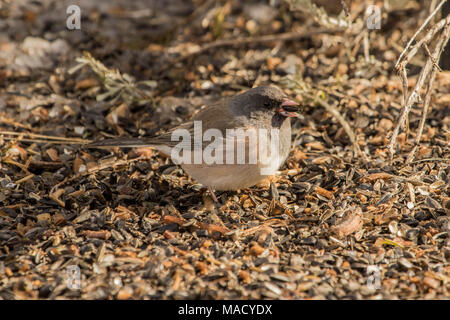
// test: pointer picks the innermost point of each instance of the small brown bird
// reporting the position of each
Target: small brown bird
(220, 163)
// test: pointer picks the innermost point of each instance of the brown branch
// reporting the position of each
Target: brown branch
(435, 60)
(425, 72)
(413, 51)
(43, 138)
(43, 141)
(441, 24)
(419, 30)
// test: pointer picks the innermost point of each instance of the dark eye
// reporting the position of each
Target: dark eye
(267, 104)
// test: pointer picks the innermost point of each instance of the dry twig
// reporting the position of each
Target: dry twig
(426, 104)
(39, 138)
(418, 31)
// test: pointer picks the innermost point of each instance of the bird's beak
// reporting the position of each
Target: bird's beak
(288, 108)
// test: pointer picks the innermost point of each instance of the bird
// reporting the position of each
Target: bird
(260, 140)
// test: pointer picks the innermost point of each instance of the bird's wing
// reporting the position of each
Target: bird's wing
(216, 116)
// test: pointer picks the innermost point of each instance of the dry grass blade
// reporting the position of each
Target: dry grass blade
(40, 138)
(44, 141)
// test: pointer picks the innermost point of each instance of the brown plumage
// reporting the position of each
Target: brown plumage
(258, 108)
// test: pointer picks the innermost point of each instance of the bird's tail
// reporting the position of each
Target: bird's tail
(122, 143)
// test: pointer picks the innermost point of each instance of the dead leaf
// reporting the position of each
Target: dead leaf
(351, 223)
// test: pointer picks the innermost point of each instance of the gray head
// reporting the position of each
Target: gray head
(265, 99)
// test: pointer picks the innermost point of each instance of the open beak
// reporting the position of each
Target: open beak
(288, 108)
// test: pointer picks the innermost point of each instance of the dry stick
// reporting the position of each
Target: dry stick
(332, 110)
(419, 30)
(404, 76)
(412, 98)
(402, 66)
(435, 63)
(366, 45)
(246, 40)
(410, 55)
(435, 58)
(43, 141)
(409, 102)
(432, 159)
(33, 135)
(441, 24)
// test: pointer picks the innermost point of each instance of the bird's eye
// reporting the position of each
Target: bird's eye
(267, 104)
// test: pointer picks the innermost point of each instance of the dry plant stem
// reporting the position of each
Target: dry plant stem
(435, 59)
(332, 110)
(407, 126)
(425, 39)
(250, 40)
(419, 30)
(402, 66)
(42, 141)
(404, 77)
(366, 46)
(432, 160)
(431, 56)
(41, 136)
(412, 98)
(412, 195)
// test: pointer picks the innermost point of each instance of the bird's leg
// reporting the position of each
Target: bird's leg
(213, 196)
